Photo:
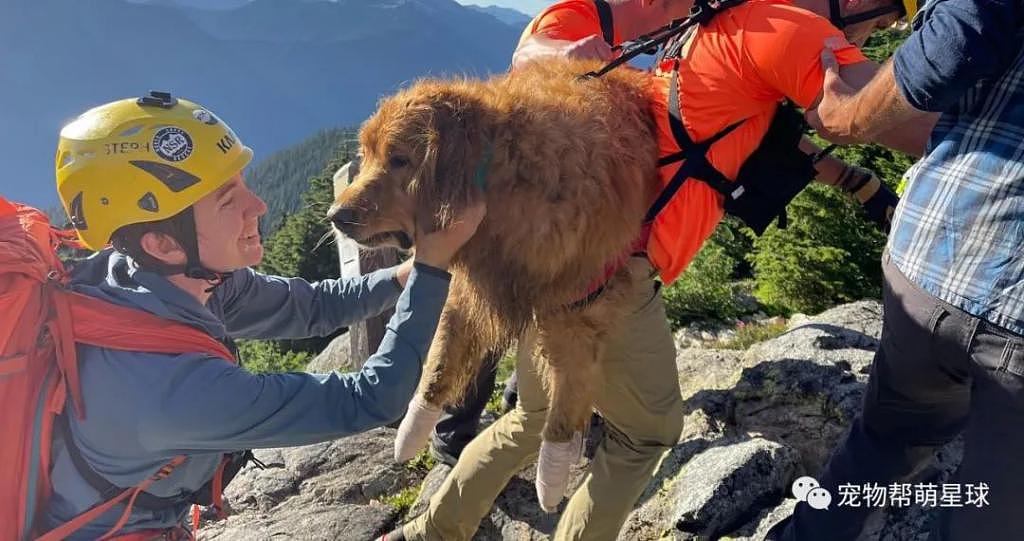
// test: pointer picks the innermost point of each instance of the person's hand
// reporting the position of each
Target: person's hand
(437, 249)
(831, 118)
(402, 272)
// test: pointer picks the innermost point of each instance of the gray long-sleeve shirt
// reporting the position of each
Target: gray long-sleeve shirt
(142, 409)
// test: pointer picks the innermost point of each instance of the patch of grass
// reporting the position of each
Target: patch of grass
(494, 403)
(748, 335)
(403, 501)
(423, 462)
(506, 365)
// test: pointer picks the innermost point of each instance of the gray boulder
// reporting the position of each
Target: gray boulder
(315, 521)
(799, 390)
(323, 491)
(721, 488)
(337, 356)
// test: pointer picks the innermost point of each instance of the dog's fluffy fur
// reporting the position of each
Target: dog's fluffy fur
(570, 168)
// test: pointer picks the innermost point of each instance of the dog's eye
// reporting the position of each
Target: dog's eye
(398, 162)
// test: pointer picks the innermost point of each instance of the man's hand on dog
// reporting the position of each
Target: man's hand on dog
(437, 248)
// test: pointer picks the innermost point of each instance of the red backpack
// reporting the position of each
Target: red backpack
(40, 323)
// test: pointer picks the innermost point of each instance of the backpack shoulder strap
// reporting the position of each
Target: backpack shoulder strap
(64, 530)
(101, 323)
(604, 14)
(696, 164)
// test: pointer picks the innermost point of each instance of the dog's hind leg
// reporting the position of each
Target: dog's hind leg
(571, 349)
(454, 357)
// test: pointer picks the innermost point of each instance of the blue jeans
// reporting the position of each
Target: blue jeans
(938, 372)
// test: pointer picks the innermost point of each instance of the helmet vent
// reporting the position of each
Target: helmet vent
(77, 216)
(175, 179)
(130, 131)
(148, 203)
(66, 158)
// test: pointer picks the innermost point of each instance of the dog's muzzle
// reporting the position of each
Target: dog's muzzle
(344, 219)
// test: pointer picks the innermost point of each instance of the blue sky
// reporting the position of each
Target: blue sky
(530, 7)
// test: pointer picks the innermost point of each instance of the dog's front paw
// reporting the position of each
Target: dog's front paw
(414, 431)
(553, 470)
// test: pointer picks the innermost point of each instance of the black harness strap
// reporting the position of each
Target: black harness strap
(701, 13)
(841, 22)
(108, 490)
(604, 14)
(696, 164)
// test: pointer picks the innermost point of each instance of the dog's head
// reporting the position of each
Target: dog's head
(421, 154)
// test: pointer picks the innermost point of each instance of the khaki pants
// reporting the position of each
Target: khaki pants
(640, 403)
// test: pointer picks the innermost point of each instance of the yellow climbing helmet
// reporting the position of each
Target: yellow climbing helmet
(142, 160)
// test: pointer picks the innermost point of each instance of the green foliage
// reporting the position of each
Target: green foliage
(283, 177)
(827, 255)
(423, 462)
(301, 247)
(402, 501)
(264, 356)
(706, 290)
(506, 365)
(882, 44)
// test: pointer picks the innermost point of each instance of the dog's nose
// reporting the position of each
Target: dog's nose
(344, 218)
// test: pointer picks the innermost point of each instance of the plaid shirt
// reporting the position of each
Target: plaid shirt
(959, 229)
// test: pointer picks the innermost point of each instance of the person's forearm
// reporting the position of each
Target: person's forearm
(217, 405)
(878, 109)
(878, 201)
(276, 307)
(910, 137)
(829, 168)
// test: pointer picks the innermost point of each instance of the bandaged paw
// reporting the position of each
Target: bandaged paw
(419, 421)
(553, 470)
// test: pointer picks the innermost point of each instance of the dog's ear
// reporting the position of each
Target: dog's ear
(455, 150)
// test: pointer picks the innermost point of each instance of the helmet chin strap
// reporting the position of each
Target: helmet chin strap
(841, 22)
(193, 267)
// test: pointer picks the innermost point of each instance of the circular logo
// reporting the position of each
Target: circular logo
(172, 144)
(204, 116)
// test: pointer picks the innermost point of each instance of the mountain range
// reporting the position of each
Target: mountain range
(276, 70)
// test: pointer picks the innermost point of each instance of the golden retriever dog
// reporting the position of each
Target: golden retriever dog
(568, 168)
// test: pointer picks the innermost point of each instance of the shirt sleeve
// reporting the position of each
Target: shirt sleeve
(215, 405)
(569, 21)
(255, 305)
(954, 44)
(785, 50)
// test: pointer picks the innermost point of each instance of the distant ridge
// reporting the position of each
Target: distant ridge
(276, 70)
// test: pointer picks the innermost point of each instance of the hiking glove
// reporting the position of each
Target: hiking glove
(877, 199)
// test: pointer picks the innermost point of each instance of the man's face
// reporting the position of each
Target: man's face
(227, 225)
(859, 33)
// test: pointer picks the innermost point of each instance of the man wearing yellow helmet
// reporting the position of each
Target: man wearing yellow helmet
(160, 178)
(138, 166)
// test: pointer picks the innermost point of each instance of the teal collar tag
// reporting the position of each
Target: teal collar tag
(480, 178)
